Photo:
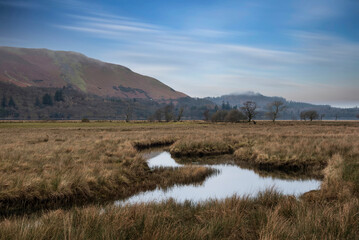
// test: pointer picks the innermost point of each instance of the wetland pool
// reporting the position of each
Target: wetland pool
(228, 181)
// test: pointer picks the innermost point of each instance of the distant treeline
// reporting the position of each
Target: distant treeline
(292, 109)
(35, 103)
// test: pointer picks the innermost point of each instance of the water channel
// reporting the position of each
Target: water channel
(230, 180)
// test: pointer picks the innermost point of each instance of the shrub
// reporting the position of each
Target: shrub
(219, 116)
(234, 116)
(85, 120)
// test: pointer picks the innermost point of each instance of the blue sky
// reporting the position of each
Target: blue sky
(303, 50)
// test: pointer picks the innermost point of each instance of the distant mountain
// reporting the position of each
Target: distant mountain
(57, 69)
(45, 84)
(292, 110)
(239, 99)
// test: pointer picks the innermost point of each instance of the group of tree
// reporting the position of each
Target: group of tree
(229, 114)
(8, 104)
(168, 113)
(233, 115)
(8, 108)
(227, 106)
(48, 100)
(309, 114)
(247, 112)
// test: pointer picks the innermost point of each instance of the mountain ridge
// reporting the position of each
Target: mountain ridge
(41, 67)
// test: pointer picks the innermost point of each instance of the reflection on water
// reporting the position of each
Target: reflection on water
(162, 159)
(229, 181)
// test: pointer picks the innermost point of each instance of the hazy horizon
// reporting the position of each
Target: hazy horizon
(300, 50)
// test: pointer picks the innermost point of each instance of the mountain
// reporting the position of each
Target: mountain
(35, 103)
(44, 68)
(292, 110)
(45, 84)
(239, 99)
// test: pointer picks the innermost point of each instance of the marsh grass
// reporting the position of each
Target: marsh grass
(269, 216)
(200, 148)
(154, 142)
(97, 158)
(85, 166)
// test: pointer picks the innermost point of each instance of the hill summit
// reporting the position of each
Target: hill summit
(45, 68)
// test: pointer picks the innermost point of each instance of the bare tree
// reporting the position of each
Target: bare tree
(310, 114)
(322, 116)
(168, 111)
(249, 109)
(180, 114)
(158, 115)
(274, 109)
(128, 113)
(303, 116)
(206, 115)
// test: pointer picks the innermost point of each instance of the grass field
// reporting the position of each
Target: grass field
(57, 178)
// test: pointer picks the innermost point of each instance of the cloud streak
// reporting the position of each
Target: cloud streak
(204, 61)
(165, 53)
(307, 50)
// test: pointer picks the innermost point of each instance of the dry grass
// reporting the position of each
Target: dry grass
(56, 161)
(154, 142)
(269, 216)
(199, 148)
(54, 167)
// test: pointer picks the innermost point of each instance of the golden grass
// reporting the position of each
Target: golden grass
(194, 147)
(54, 167)
(154, 142)
(269, 216)
(98, 160)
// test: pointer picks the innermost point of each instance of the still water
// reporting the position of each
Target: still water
(230, 180)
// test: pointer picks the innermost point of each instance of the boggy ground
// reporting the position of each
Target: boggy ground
(48, 161)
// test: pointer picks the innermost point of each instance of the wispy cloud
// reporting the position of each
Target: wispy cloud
(190, 61)
(307, 11)
(327, 46)
(296, 49)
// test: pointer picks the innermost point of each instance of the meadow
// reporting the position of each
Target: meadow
(58, 180)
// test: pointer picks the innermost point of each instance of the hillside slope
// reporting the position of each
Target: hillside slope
(56, 69)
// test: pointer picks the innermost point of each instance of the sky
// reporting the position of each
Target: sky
(302, 50)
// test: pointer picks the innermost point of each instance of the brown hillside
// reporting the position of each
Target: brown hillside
(45, 68)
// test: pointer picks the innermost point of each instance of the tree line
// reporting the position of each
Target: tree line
(48, 100)
(247, 112)
(226, 113)
(167, 113)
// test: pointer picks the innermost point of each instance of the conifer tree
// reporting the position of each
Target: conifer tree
(12, 103)
(3, 102)
(47, 100)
